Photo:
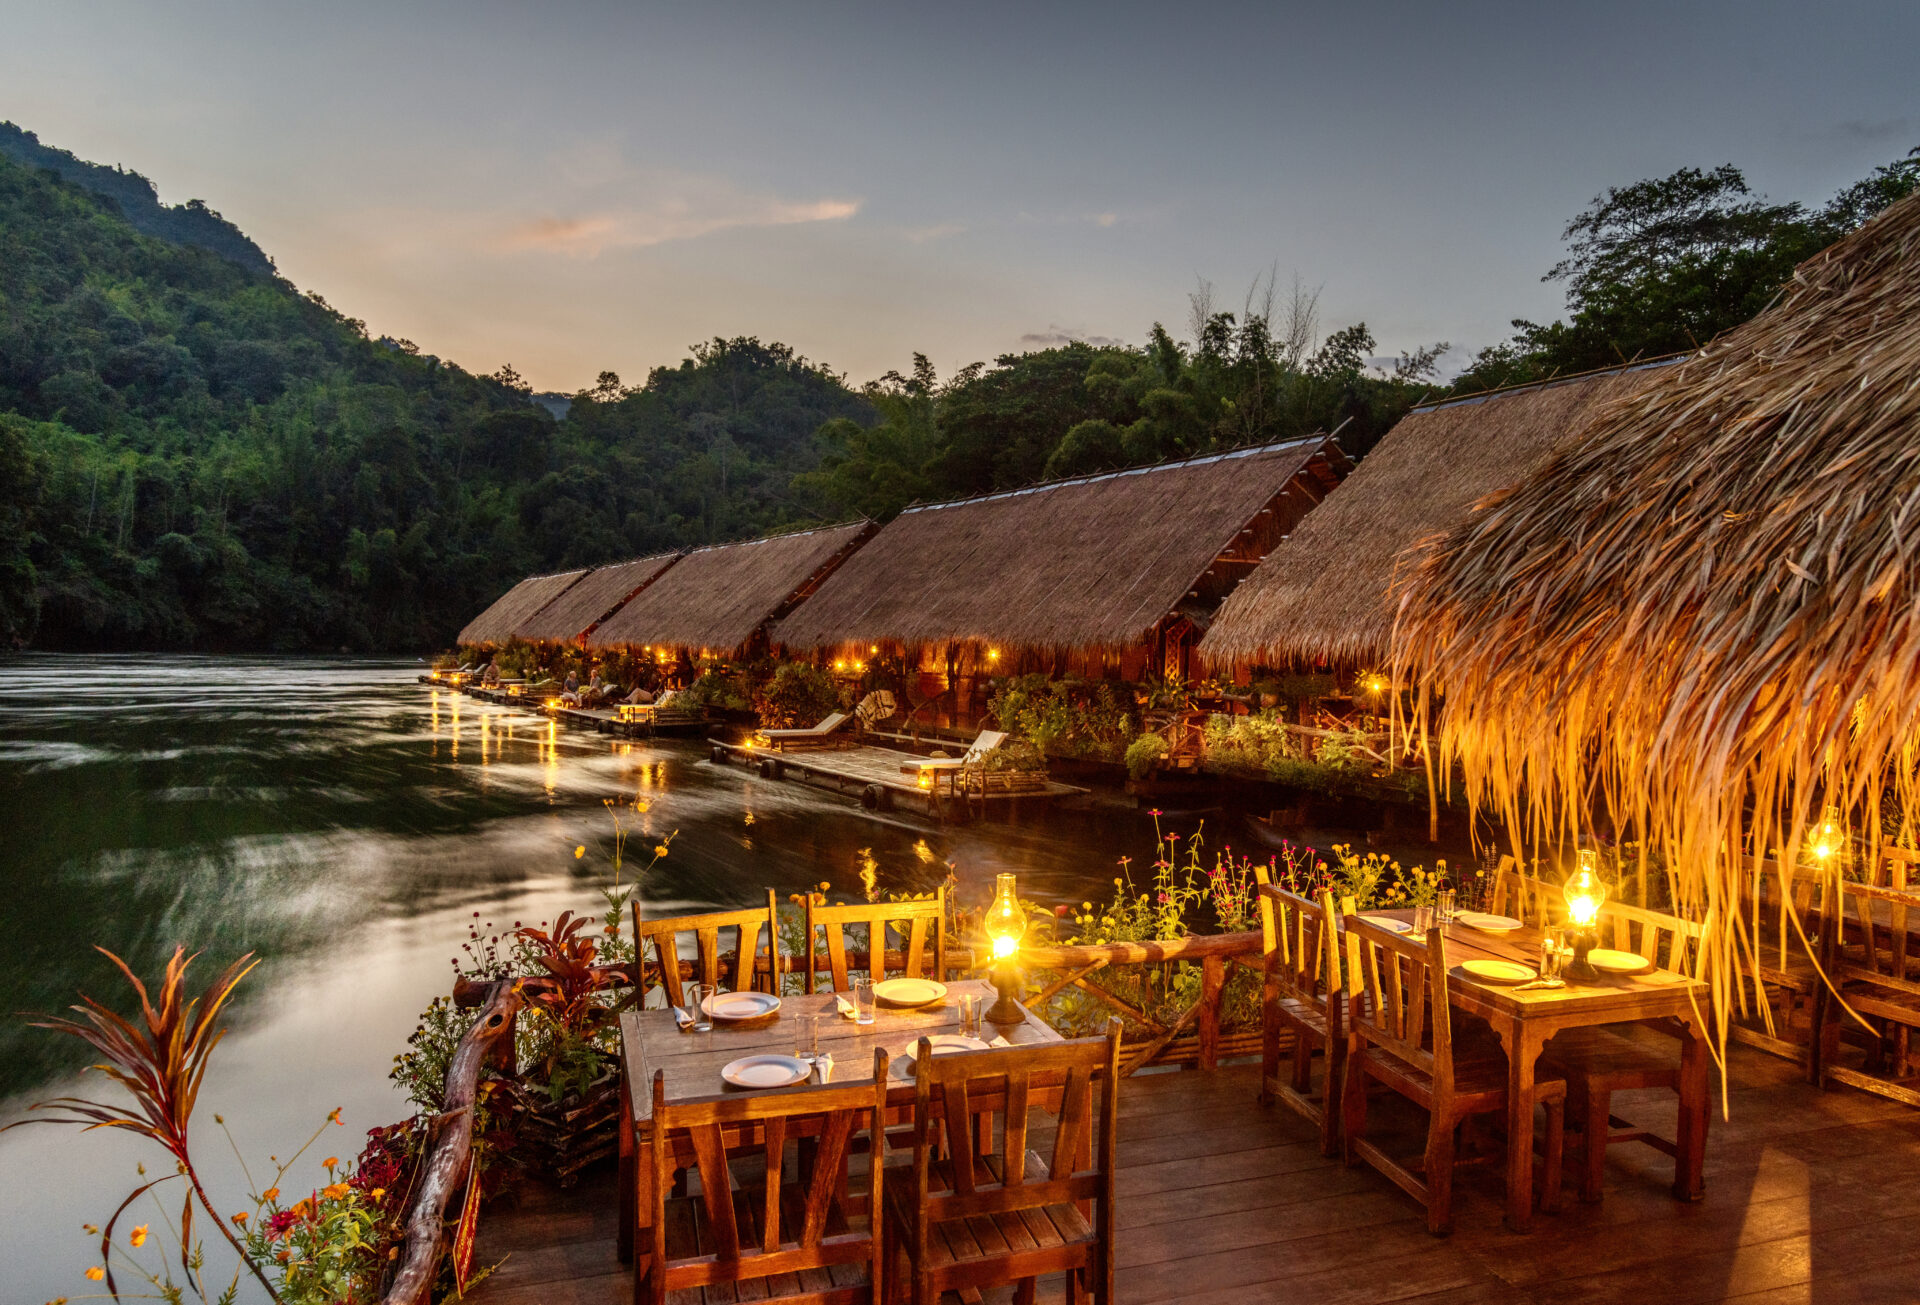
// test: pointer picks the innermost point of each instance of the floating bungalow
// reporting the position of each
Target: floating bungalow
(497, 624)
(1320, 598)
(1112, 575)
(574, 613)
(719, 601)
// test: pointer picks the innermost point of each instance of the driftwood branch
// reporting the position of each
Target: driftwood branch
(449, 1143)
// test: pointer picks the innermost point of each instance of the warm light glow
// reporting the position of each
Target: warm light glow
(1585, 891)
(1376, 685)
(1828, 837)
(1006, 923)
(860, 666)
(926, 779)
(993, 654)
(872, 649)
(840, 665)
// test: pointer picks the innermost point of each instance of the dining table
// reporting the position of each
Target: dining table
(1526, 1018)
(653, 1039)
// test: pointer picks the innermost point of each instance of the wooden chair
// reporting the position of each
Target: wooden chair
(766, 1238)
(824, 734)
(1301, 994)
(1773, 915)
(983, 1220)
(1877, 979)
(1598, 1061)
(710, 966)
(919, 918)
(1402, 1038)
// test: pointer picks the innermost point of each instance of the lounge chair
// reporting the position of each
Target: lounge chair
(874, 708)
(985, 743)
(825, 734)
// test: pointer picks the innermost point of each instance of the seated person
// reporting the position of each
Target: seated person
(570, 691)
(640, 697)
(491, 676)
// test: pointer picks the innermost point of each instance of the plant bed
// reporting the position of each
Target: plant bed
(560, 1139)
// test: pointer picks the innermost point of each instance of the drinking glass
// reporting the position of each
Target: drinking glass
(1443, 906)
(697, 995)
(1554, 949)
(806, 1038)
(1422, 921)
(969, 1014)
(863, 1000)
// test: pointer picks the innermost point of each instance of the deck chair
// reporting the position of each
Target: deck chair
(987, 741)
(912, 921)
(1301, 995)
(874, 708)
(1402, 1039)
(969, 1221)
(740, 971)
(755, 1235)
(825, 734)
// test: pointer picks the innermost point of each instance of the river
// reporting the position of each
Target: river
(347, 824)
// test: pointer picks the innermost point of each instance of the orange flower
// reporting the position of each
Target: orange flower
(139, 1236)
(241, 1218)
(331, 1161)
(377, 1193)
(334, 1118)
(271, 1194)
(335, 1191)
(579, 852)
(96, 1273)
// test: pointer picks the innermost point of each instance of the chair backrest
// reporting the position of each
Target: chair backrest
(710, 965)
(750, 1234)
(985, 743)
(1301, 941)
(952, 1087)
(1669, 941)
(914, 921)
(1517, 894)
(874, 708)
(1883, 908)
(1397, 996)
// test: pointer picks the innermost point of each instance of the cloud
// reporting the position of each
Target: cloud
(669, 217)
(939, 231)
(1866, 132)
(1105, 219)
(1056, 336)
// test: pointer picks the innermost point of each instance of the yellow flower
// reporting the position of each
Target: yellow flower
(659, 849)
(96, 1273)
(271, 1194)
(378, 1192)
(139, 1236)
(334, 1191)
(579, 852)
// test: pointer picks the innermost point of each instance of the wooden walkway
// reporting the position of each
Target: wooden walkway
(875, 774)
(1811, 1198)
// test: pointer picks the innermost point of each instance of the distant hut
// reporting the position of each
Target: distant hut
(497, 624)
(718, 601)
(1320, 597)
(1109, 575)
(1703, 615)
(575, 612)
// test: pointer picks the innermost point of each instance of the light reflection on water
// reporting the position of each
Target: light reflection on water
(346, 822)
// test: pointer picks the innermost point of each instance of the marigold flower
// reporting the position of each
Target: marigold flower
(335, 1191)
(271, 1194)
(139, 1236)
(331, 1161)
(659, 849)
(377, 1193)
(579, 852)
(334, 1118)
(96, 1273)
(241, 1218)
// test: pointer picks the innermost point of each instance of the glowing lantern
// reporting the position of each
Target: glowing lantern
(1828, 839)
(1006, 925)
(1584, 892)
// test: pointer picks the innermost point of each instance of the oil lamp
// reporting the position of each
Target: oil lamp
(1006, 924)
(1584, 892)
(1828, 840)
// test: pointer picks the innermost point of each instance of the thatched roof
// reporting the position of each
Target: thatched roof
(497, 623)
(582, 606)
(1709, 602)
(716, 598)
(1323, 592)
(1092, 562)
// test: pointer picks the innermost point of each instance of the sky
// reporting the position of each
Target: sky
(573, 187)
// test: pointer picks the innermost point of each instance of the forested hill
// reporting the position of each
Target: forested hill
(191, 223)
(196, 455)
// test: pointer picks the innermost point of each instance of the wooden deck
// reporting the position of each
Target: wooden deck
(875, 774)
(1811, 1197)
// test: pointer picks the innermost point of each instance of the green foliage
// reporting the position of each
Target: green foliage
(1664, 265)
(797, 695)
(1144, 753)
(1064, 718)
(422, 1068)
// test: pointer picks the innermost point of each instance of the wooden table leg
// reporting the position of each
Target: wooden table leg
(629, 1204)
(1523, 1048)
(640, 1191)
(1690, 1137)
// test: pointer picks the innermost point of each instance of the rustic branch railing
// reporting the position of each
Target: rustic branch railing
(449, 1144)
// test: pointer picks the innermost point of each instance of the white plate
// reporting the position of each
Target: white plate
(1487, 923)
(766, 1071)
(1499, 971)
(731, 1007)
(909, 992)
(943, 1044)
(1388, 923)
(1611, 962)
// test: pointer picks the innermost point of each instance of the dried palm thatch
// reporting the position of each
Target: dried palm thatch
(576, 610)
(717, 598)
(1097, 561)
(1704, 613)
(497, 623)
(1322, 594)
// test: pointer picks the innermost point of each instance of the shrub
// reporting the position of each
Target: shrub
(1144, 753)
(1064, 718)
(797, 695)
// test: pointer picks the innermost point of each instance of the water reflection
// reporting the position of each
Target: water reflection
(344, 822)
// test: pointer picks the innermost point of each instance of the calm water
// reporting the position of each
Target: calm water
(345, 823)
